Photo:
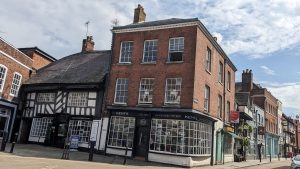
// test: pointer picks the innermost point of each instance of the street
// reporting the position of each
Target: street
(278, 165)
(9, 161)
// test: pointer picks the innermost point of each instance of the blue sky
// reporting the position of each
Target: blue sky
(258, 35)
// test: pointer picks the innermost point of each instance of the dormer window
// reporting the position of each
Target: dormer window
(176, 48)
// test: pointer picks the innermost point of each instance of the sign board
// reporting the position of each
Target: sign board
(74, 141)
(234, 117)
(94, 130)
(228, 129)
(261, 130)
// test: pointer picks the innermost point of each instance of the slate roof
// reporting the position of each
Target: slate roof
(156, 23)
(242, 98)
(82, 68)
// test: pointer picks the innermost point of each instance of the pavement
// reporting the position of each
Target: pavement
(32, 156)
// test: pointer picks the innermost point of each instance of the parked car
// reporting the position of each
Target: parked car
(295, 162)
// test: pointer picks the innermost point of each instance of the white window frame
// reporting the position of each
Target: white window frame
(120, 57)
(40, 126)
(206, 100)
(17, 85)
(45, 98)
(82, 128)
(208, 59)
(220, 106)
(117, 131)
(75, 101)
(229, 80)
(122, 91)
(150, 91)
(221, 73)
(156, 51)
(169, 50)
(166, 91)
(4, 77)
(199, 136)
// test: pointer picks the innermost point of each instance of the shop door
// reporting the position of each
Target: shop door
(142, 138)
(59, 131)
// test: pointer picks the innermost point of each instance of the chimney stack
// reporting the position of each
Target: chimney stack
(139, 14)
(88, 44)
(247, 80)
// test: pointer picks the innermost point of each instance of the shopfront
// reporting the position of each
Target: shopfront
(176, 138)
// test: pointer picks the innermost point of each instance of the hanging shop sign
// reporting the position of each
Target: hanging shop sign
(261, 130)
(229, 129)
(234, 117)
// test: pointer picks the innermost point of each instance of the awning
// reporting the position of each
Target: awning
(245, 116)
(234, 135)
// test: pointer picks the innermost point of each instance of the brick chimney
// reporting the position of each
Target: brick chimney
(88, 44)
(247, 80)
(139, 14)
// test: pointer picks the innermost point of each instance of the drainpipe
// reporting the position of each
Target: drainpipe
(224, 106)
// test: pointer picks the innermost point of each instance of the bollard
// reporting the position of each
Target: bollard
(13, 143)
(270, 158)
(125, 157)
(91, 155)
(278, 156)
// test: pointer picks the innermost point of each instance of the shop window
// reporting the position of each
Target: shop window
(121, 131)
(176, 48)
(146, 90)
(180, 137)
(126, 52)
(16, 84)
(3, 71)
(228, 144)
(121, 92)
(173, 91)
(46, 97)
(150, 51)
(78, 99)
(40, 126)
(82, 128)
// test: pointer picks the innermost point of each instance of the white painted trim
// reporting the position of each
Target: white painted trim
(116, 92)
(166, 88)
(176, 51)
(19, 85)
(139, 101)
(144, 50)
(14, 48)
(121, 52)
(156, 27)
(4, 78)
(12, 58)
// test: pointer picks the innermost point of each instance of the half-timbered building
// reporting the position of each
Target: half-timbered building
(65, 98)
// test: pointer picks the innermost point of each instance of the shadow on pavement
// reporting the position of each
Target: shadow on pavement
(40, 151)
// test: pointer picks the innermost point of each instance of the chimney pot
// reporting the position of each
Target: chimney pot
(88, 44)
(139, 14)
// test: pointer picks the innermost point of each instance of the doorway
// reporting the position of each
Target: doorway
(142, 138)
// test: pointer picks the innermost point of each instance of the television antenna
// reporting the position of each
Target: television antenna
(87, 27)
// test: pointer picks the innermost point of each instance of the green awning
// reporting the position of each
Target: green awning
(234, 135)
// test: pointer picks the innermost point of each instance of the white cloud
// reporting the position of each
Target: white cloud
(267, 70)
(252, 27)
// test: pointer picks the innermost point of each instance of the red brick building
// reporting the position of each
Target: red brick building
(170, 88)
(15, 68)
(264, 99)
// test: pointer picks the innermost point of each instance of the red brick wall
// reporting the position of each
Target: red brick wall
(203, 77)
(13, 67)
(160, 71)
(39, 61)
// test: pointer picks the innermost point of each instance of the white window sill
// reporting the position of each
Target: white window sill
(124, 63)
(175, 62)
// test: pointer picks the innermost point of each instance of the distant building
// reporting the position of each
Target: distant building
(170, 93)
(65, 98)
(15, 68)
(289, 135)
